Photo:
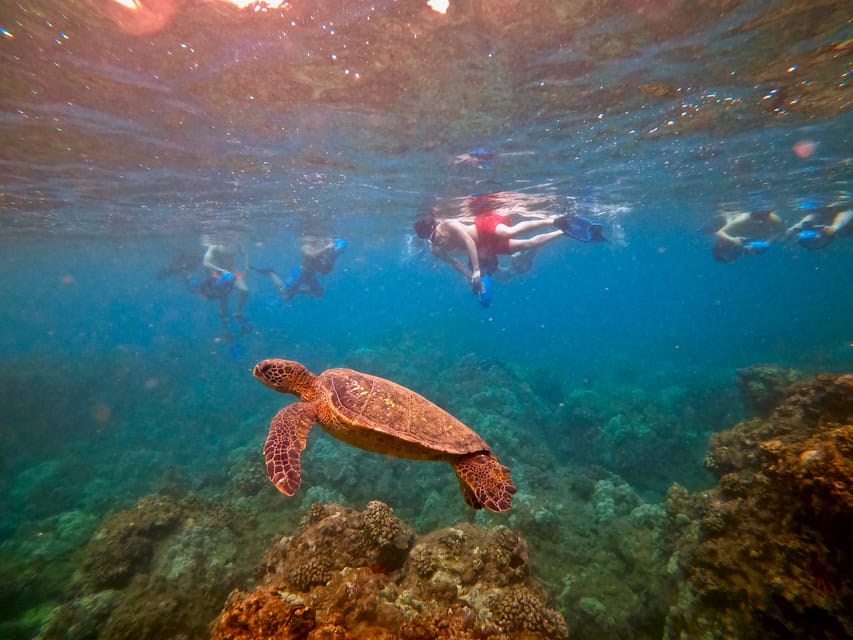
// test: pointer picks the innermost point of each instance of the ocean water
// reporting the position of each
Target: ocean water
(132, 129)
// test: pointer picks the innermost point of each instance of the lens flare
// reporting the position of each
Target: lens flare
(804, 148)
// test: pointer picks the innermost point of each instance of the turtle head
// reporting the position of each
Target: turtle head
(286, 376)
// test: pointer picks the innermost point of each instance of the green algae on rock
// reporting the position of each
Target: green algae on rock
(159, 569)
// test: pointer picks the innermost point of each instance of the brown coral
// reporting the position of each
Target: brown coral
(384, 583)
(266, 613)
(763, 386)
(769, 554)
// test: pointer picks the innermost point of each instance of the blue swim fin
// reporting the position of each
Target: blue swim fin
(581, 229)
(293, 280)
(485, 295)
(757, 246)
(814, 237)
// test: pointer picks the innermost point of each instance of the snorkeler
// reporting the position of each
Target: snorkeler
(479, 157)
(819, 228)
(482, 158)
(210, 276)
(492, 234)
(227, 262)
(318, 257)
(743, 233)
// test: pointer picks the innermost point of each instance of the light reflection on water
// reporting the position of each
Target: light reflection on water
(160, 104)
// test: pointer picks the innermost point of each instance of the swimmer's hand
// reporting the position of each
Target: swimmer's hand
(475, 282)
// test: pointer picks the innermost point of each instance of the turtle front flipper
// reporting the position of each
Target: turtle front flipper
(484, 481)
(283, 449)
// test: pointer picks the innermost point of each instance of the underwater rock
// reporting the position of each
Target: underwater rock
(766, 553)
(125, 542)
(156, 570)
(365, 574)
(37, 566)
(646, 437)
(763, 386)
(594, 540)
(83, 619)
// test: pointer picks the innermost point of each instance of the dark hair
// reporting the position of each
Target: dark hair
(726, 250)
(424, 227)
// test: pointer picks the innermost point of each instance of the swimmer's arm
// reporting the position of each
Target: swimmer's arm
(722, 235)
(724, 232)
(458, 230)
(799, 226)
(453, 263)
(208, 260)
(245, 255)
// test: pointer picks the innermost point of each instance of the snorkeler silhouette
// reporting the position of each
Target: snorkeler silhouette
(819, 228)
(227, 263)
(318, 257)
(742, 233)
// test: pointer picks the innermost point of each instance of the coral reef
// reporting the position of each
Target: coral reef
(351, 574)
(763, 386)
(159, 569)
(758, 554)
(766, 553)
(645, 436)
(600, 549)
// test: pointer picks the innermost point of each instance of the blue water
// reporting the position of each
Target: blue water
(119, 155)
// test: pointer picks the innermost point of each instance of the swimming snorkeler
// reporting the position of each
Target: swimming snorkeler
(743, 233)
(492, 234)
(227, 262)
(818, 229)
(318, 256)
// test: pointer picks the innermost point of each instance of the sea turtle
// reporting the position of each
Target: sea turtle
(377, 415)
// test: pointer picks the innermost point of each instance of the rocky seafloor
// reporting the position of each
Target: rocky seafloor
(759, 551)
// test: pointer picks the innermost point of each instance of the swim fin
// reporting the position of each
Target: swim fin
(581, 229)
(484, 297)
(756, 246)
(815, 237)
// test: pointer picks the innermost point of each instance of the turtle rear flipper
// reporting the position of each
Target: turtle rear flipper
(484, 481)
(283, 449)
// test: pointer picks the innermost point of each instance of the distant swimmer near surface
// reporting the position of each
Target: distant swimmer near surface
(819, 228)
(318, 257)
(743, 233)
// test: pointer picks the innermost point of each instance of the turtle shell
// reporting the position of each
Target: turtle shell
(383, 416)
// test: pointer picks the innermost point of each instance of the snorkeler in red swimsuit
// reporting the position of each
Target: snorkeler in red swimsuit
(493, 234)
(488, 241)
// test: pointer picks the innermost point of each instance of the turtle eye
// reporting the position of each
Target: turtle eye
(481, 459)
